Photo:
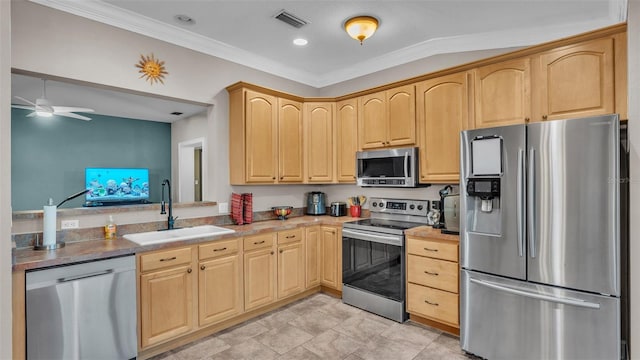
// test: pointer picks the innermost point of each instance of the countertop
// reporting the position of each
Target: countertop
(28, 259)
(430, 232)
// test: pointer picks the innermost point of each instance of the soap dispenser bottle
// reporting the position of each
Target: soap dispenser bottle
(110, 229)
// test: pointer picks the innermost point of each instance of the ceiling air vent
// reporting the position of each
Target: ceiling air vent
(291, 19)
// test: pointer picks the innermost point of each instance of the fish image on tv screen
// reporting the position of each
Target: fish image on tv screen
(108, 185)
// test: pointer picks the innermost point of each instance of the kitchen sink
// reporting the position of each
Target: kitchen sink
(158, 237)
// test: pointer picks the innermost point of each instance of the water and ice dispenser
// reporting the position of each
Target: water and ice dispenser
(483, 185)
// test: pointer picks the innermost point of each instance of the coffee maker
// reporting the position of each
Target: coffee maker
(443, 193)
(316, 203)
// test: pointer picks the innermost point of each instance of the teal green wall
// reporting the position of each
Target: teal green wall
(49, 155)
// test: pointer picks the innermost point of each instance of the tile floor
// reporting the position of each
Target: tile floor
(321, 327)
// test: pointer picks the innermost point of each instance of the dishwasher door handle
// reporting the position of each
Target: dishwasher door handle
(84, 276)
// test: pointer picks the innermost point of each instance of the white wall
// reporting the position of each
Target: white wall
(193, 127)
(5, 179)
(633, 41)
(409, 70)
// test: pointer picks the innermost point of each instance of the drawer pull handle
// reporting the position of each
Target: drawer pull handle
(434, 250)
(168, 259)
(223, 249)
(430, 303)
(258, 242)
(431, 273)
(290, 237)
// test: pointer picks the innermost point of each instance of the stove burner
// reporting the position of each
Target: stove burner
(388, 224)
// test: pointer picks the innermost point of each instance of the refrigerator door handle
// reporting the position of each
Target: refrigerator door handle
(559, 300)
(520, 203)
(531, 213)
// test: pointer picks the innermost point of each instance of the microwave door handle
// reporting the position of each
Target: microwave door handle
(406, 165)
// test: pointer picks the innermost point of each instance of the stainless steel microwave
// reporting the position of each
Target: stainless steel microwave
(388, 167)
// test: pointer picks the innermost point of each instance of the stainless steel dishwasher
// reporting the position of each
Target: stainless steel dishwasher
(83, 311)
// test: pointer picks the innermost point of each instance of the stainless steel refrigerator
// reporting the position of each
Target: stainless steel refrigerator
(543, 259)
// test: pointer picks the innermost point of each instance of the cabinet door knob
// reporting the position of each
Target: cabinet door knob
(189, 270)
(202, 267)
(281, 251)
(272, 253)
(544, 117)
(273, 178)
(281, 177)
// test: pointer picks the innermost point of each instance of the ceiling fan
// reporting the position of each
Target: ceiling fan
(44, 107)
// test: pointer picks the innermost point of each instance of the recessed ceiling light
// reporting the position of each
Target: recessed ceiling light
(184, 19)
(300, 42)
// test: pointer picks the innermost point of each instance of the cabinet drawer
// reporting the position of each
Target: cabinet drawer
(436, 304)
(259, 241)
(218, 248)
(439, 274)
(165, 259)
(445, 250)
(288, 236)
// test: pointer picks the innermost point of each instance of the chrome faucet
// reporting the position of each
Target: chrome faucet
(170, 219)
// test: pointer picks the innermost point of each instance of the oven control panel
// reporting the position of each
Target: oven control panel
(399, 206)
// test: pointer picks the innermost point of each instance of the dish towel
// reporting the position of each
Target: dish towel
(242, 208)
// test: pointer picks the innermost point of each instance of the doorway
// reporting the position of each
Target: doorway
(192, 170)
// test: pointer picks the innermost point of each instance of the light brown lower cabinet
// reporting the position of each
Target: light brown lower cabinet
(433, 280)
(220, 289)
(331, 275)
(291, 279)
(313, 256)
(166, 304)
(259, 271)
(187, 289)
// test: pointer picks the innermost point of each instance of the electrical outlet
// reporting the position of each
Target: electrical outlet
(223, 208)
(69, 224)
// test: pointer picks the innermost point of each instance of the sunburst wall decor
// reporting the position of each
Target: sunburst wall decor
(152, 69)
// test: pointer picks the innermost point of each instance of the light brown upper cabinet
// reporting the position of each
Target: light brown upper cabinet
(442, 113)
(289, 141)
(347, 140)
(574, 81)
(318, 125)
(387, 118)
(503, 93)
(265, 138)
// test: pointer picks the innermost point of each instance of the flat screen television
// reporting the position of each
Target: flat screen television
(108, 186)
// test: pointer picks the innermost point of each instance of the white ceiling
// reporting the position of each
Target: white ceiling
(246, 32)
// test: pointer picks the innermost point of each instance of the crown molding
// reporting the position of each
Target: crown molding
(121, 18)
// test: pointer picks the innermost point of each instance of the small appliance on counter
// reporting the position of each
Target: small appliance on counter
(316, 203)
(338, 208)
(451, 214)
(443, 193)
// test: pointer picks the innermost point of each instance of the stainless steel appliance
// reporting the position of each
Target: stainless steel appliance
(541, 253)
(451, 214)
(388, 168)
(373, 256)
(338, 209)
(82, 311)
(316, 203)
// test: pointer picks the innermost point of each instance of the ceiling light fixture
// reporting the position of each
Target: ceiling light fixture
(361, 27)
(300, 42)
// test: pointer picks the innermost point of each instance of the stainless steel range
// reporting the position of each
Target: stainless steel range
(373, 256)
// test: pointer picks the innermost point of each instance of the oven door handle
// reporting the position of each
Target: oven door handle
(382, 239)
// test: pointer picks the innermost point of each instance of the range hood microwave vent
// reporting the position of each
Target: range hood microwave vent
(290, 19)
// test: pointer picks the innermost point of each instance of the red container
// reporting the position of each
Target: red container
(355, 210)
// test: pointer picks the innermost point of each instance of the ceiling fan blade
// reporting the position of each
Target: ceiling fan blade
(25, 100)
(23, 107)
(68, 109)
(72, 115)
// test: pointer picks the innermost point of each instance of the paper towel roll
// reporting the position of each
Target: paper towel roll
(49, 227)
